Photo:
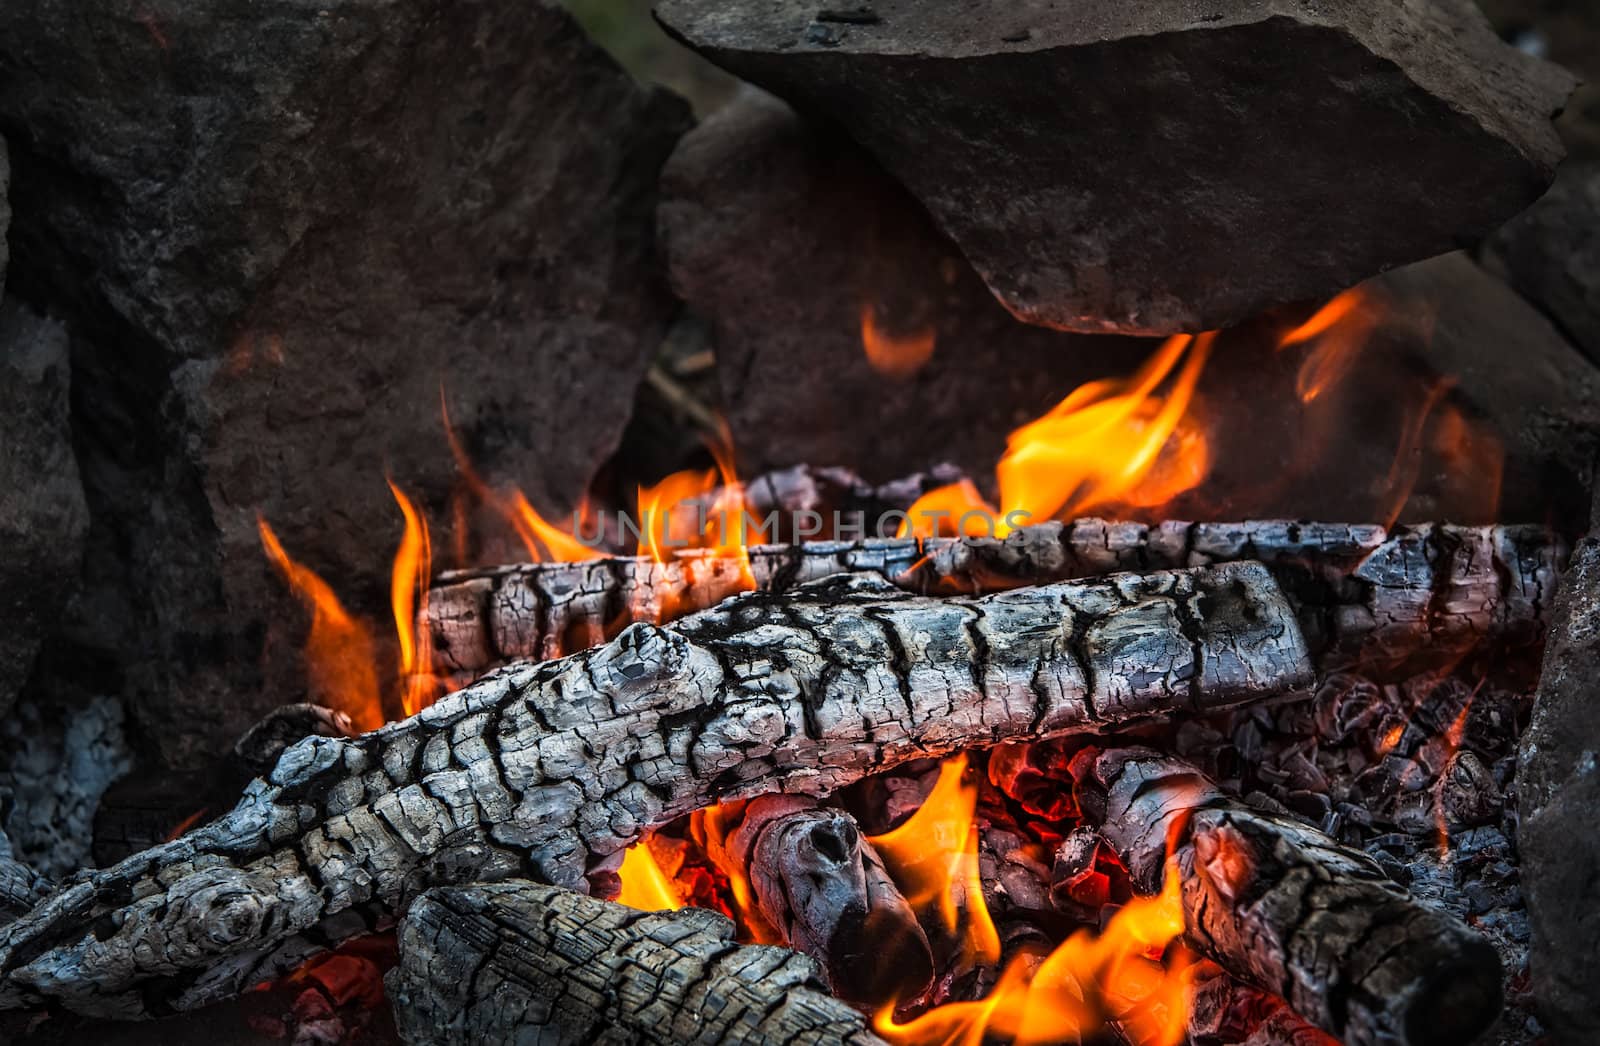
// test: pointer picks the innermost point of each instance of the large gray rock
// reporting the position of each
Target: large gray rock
(780, 234)
(1166, 166)
(1551, 254)
(42, 514)
(1453, 399)
(279, 228)
(1558, 788)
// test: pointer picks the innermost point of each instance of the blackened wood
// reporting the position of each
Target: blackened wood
(1394, 603)
(551, 770)
(818, 886)
(520, 962)
(1277, 903)
(20, 886)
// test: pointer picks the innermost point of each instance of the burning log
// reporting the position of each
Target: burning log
(1393, 602)
(1280, 905)
(551, 770)
(818, 886)
(521, 961)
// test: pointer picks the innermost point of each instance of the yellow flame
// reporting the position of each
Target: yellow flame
(408, 589)
(644, 885)
(1084, 987)
(1117, 441)
(933, 858)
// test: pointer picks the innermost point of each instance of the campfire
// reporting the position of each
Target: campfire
(1021, 534)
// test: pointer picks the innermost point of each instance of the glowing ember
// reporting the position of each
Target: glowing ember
(891, 354)
(644, 885)
(933, 858)
(341, 665)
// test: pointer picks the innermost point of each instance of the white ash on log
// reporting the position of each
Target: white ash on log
(818, 886)
(20, 886)
(1377, 134)
(518, 961)
(550, 771)
(1391, 601)
(1277, 903)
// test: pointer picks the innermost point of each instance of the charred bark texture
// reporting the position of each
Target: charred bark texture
(550, 771)
(818, 886)
(517, 961)
(1280, 905)
(20, 886)
(1393, 602)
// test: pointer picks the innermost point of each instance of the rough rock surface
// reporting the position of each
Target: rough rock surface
(1551, 254)
(1156, 167)
(1558, 785)
(279, 227)
(43, 518)
(5, 208)
(781, 233)
(1457, 401)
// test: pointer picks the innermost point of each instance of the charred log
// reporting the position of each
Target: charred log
(818, 886)
(1280, 905)
(1394, 603)
(20, 886)
(550, 771)
(524, 962)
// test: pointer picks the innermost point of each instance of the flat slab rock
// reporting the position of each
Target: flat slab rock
(279, 228)
(1167, 166)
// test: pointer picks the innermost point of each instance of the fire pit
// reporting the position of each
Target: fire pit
(1018, 535)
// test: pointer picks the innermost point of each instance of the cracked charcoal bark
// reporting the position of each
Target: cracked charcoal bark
(1393, 602)
(818, 886)
(1280, 905)
(549, 771)
(517, 960)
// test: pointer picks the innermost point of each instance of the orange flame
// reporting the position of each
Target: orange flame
(1452, 744)
(1117, 441)
(340, 662)
(1407, 464)
(1086, 985)
(542, 539)
(933, 857)
(950, 511)
(644, 885)
(655, 511)
(1337, 332)
(897, 356)
(408, 590)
